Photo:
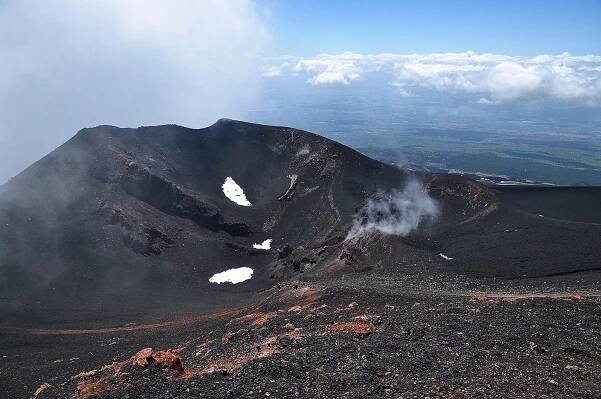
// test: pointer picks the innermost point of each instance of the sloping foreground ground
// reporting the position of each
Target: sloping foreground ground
(373, 336)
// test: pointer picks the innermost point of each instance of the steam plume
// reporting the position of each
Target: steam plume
(396, 213)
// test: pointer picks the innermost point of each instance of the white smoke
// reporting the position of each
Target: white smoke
(397, 212)
(69, 64)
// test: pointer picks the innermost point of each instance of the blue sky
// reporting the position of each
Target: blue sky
(310, 27)
(69, 64)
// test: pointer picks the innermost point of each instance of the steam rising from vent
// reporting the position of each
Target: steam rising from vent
(396, 213)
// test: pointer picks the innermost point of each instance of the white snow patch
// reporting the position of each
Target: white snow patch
(445, 257)
(266, 245)
(233, 276)
(303, 151)
(234, 192)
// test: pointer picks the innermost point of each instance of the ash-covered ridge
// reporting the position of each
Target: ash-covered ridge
(120, 222)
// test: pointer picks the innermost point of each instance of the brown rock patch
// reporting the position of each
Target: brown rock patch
(89, 388)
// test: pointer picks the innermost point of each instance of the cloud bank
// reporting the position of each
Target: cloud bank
(68, 64)
(491, 78)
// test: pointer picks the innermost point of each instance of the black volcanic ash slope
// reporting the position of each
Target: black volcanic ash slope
(122, 218)
(121, 222)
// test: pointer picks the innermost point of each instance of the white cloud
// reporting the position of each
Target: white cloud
(327, 70)
(509, 81)
(68, 64)
(271, 71)
(436, 76)
(495, 78)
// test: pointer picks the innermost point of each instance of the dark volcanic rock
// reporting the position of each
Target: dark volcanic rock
(134, 220)
(107, 245)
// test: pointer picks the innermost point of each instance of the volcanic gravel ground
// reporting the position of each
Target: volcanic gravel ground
(576, 204)
(341, 339)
